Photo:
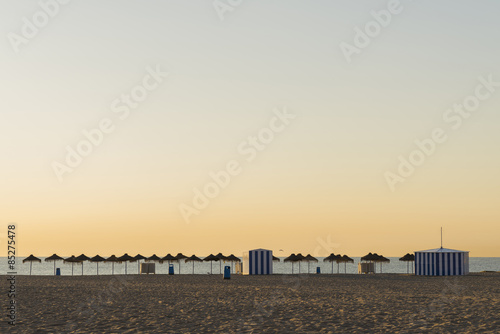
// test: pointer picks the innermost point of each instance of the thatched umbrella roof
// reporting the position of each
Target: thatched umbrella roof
(139, 257)
(370, 257)
(233, 258)
(333, 258)
(292, 258)
(380, 259)
(112, 259)
(32, 258)
(180, 256)
(97, 259)
(193, 259)
(344, 259)
(276, 258)
(310, 258)
(126, 258)
(211, 258)
(83, 257)
(330, 258)
(169, 257)
(54, 258)
(408, 258)
(221, 258)
(153, 258)
(72, 259)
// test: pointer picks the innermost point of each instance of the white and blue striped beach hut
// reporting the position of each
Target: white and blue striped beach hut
(441, 262)
(258, 262)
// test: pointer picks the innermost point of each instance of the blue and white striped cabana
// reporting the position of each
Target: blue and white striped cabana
(258, 262)
(441, 262)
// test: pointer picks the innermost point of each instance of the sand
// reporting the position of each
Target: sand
(257, 304)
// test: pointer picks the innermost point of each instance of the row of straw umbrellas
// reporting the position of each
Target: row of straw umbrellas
(127, 258)
(293, 258)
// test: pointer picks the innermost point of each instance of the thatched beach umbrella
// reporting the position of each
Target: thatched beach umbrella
(168, 258)
(126, 258)
(72, 259)
(54, 258)
(332, 258)
(369, 257)
(292, 258)
(153, 258)
(138, 258)
(179, 257)
(211, 258)
(344, 259)
(233, 259)
(112, 259)
(309, 258)
(380, 259)
(82, 258)
(32, 259)
(408, 258)
(276, 258)
(193, 259)
(299, 259)
(221, 258)
(97, 259)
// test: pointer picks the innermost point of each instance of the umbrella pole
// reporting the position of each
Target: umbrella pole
(345, 267)
(332, 267)
(193, 267)
(211, 271)
(72, 267)
(82, 268)
(31, 264)
(338, 268)
(54, 268)
(97, 268)
(112, 268)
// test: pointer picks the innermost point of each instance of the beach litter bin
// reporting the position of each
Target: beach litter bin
(227, 272)
(58, 271)
(170, 269)
(318, 270)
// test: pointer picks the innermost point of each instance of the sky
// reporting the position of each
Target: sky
(306, 114)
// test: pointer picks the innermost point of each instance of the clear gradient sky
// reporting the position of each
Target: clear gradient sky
(318, 187)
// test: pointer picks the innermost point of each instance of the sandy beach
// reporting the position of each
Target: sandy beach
(257, 304)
